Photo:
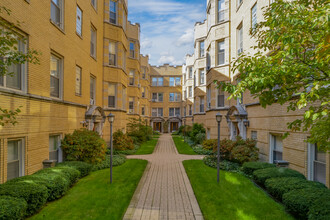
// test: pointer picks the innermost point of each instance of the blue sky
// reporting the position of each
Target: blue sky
(166, 27)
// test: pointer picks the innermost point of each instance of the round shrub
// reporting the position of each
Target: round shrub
(34, 194)
(260, 176)
(71, 174)
(83, 167)
(249, 167)
(117, 161)
(198, 149)
(320, 210)
(299, 201)
(196, 134)
(56, 184)
(12, 208)
(280, 185)
(122, 141)
(84, 145)
(211, 161)
(210, 144)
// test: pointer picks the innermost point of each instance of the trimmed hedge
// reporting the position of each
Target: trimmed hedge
(84, 168)
(299, 201)
(34, 194)
(117, 160)
(249, 167)
(260, 176)
(12, 208)
(278, 186)
(69, 173)
(211, 161)
(320, 210)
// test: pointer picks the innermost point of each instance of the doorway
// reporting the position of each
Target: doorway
(157, 126)
(174, 126)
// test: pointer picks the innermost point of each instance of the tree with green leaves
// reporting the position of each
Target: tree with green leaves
(291, 64)
(9, 56)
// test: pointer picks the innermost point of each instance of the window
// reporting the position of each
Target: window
(190, 72)
(254, 16)
(56, 12)
(94, 3)
(185, 111)
(201, 104)
(201, 49)
(175, 97)
(124, 59)
(190, 91)
(160, 97)
(208, 59)
(208, 97)
(177, 81)
(157, 97)
(160, 112)
(132, 50)
(93, 42)
(17, 79)
(124, 97)
(190, 109)
(174, 112)
(55, 76)
(78, 80)
(144, 71)
(157, 112)
(92, 90)
(172, 81)
(221, 52)
(201, 76)
(239, 2)
(254, 135)
(143, 110)
(239, 39)
(276, 147)
(157, 81)
(113, 12)
(79, 21)
(221, 98)
(316, 164)
(131, 77)
(112, 53)
(143, 92)
(131, 104)
(55, 152)
(15, 159)
(112, 95)
(221, 10)
(185, 94)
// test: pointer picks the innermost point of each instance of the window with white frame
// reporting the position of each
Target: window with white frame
(160, 112)
(124, 97)
(55, 152)
(190, 110)
(131, 77)
(112, 53)
(190, 72)
(92, 90)
(254, 16)
(55, 76)
(113, 12)
(175, 81)
(131, 104)
(157, 97)
(15, 158)
(112, 89)
(239, 39)
(221, 10)
(175, 97)
(132, 49)
(190, 91)
(316, 164)
(174, 112)
(78, 80)
(220, 98)
(93, 42)
(79, 21)
(157, 81)
(208, 97)
(172, 81)
(201, 104)
(208, 59)
(201, 49)
(94, 3)
(157, 112)
(221, 52)
(56, 12)
(276, 148)
(201, 76)
(144, 72)
(185, 94)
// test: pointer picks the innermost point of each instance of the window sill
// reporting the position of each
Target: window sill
(78, 95)
(94, 57)
(80, 36)
(58, 27)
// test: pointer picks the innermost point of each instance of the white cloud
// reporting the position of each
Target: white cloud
(186, 38)
(146, 44)
(169, 59)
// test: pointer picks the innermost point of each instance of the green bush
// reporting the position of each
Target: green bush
(34, 194)
(244, 151)
(280, 185)
(320, 210)
(82, 167)
(139, 131)
(210, 144)
(200, 150)
(260, 176)
(299, 201)
(117, 161)
(84, 145)
(56, 184)
(211, 161)
(122, 141)
(12, 208)
(197, 134)
(71, 174)
(249, 167)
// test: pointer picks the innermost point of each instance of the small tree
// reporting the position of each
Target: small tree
(138, 130)
(296, 69)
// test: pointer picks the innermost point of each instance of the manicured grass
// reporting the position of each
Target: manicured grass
(235, 197)
(148, 147)
(94, 198)
(183, 148)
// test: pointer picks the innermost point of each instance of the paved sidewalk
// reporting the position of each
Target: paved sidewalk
(164, 191)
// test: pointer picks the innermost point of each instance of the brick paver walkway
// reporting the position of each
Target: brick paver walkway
(164, 191)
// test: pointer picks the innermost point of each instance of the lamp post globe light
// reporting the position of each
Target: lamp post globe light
(218, 118)
(111, 119)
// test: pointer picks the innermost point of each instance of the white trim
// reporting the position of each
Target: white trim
(310, 159)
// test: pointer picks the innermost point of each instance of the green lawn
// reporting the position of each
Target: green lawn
(235, 197)
(148, 147)
(183, 148)
(94, 198)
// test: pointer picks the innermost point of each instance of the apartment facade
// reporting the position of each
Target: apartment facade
(227, 35)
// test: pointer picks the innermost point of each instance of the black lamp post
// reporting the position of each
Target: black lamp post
(111, 119)
(218, 118)
(184, 129)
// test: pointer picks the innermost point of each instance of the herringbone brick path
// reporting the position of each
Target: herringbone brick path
(164, 191)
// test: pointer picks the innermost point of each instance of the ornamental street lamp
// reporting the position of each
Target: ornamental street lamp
(184, 129)
(218, 118)
(111, 119)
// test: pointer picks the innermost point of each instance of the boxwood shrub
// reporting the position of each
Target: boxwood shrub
(211, 161)
(12, 208)
(260, 176)
(34, 194)
(280, 185)
(249, 167)
(299, 201)
(84, 168)
(117, 161)
(320, 210)
(69, 173)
